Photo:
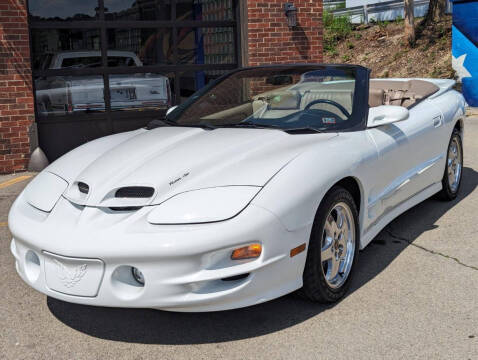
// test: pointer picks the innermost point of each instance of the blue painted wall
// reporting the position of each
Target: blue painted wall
(465, 47)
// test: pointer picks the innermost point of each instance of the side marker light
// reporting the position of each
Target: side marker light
(297, 250)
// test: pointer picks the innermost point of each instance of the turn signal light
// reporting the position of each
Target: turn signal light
(247, 252)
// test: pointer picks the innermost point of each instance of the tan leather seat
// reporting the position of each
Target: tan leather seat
(375, 97)
(401, 93)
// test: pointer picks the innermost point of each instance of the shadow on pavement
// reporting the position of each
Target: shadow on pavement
(161, 327)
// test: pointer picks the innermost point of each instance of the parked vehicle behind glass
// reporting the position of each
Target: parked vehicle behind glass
(69, 94)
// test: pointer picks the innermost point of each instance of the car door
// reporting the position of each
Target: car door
(406, 155)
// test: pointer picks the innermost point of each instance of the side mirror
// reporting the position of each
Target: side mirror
(171, 109)
(386, 114)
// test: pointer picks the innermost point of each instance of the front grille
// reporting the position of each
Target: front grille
(135, 192)
(83, 188)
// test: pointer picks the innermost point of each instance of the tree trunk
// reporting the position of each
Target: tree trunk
(409, 22)
(436, 11)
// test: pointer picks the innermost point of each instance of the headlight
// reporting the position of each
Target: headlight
(205, 205)
(44, 191)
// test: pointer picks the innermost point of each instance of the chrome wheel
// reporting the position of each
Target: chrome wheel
(338, 245)
(454, 164)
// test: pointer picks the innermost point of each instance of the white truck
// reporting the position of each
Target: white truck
(71, 94)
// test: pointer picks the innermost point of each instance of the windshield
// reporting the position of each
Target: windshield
(284, 97)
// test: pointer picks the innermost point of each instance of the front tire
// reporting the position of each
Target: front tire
(333, 248)
(451, 181)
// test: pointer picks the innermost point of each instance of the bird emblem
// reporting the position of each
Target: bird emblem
(70, 278)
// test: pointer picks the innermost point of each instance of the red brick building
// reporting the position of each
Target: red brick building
(68, 69)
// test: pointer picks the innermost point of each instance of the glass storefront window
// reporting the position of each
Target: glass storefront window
(149, 46)
(207, 45)
(60, 10)
(62, 95)
(137, 10)
(141, 58)
(59, 48)
(141, 91)
(206, 10)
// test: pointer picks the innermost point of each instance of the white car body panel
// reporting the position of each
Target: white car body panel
(280, 179)
(53, 186)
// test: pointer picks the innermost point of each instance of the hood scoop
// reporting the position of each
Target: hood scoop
(123, 198)
(135, 192)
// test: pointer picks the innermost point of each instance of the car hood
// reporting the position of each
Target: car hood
(176, 159)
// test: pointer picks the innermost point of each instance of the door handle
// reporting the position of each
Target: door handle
(437, 121)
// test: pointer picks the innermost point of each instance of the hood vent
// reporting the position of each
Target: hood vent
(135, 192)
(83, 188)
(125, 208)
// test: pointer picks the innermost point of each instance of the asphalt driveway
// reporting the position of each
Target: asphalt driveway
(415, 296)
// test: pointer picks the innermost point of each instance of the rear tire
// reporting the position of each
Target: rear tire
(333, 248)
(453, 168)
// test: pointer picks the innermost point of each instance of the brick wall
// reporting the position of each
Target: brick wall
(270, 40)
(16, 97)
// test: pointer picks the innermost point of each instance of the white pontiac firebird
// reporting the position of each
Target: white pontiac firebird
(267, 181)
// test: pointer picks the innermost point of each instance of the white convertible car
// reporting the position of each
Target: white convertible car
(267, 181)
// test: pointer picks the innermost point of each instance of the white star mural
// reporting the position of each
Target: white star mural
(457, 64)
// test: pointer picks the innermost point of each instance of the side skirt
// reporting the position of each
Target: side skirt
(400, 209)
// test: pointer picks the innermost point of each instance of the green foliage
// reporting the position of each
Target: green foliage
(336, 28)
(346, 57)
(382, 24)
(340, 6)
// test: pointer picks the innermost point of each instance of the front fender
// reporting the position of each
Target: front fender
(295, 193)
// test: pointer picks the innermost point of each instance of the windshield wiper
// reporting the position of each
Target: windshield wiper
(248, 124)
(199, 125)
(153, 124)
(303, 130)
(167, 122)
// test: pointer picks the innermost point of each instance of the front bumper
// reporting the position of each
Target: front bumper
(85, 256)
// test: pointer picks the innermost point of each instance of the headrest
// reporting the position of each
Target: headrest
(375, 97)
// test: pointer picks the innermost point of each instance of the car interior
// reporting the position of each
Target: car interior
(328, 97)
(405, 93)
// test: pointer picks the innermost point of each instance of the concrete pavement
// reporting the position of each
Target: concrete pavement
(415, 296)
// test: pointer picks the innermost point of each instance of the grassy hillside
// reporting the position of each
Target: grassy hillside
(383, 48)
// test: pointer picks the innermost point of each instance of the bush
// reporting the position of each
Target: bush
(336, 28)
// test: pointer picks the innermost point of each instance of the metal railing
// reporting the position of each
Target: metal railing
(362, 13)
(333, 5)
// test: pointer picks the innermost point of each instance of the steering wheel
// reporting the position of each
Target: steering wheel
(330, 102)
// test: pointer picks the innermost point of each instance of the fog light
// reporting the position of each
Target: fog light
(138, 275)
(247, 252)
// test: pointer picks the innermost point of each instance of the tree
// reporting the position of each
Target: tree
(436, 11)
(410, 21)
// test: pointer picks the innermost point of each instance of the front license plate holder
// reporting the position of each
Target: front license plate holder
(73, 276)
